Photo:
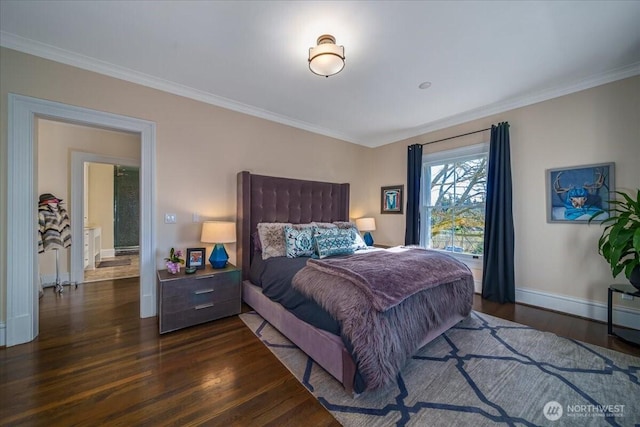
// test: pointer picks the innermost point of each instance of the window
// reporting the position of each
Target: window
(453, 199)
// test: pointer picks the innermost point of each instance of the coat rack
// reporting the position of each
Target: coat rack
(54, 231)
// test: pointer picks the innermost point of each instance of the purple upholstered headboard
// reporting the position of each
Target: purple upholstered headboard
(272, 199)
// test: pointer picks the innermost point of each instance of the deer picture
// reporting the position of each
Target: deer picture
(582, 199)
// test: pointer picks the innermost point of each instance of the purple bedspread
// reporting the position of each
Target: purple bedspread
(384, 340)
(389, 277)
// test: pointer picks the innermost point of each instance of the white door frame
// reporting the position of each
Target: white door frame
(78, 159)
(22, 232)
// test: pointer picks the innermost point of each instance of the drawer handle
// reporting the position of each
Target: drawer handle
(203, 291)
(201, 306)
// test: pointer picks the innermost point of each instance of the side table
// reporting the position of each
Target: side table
(629, 335)
(189, 299)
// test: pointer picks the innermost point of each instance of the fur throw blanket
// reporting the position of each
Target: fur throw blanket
(389, 277)
(383, 341)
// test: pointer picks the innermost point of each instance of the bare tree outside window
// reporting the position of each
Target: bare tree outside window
(454, 205)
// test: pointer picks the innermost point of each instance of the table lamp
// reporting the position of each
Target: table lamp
(219, 233)
(367, 225)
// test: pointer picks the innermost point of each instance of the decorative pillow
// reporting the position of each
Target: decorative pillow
(358, 241)
(324, 225)
(338, 242)
(344, 224)
(298, 241)
(303, 226)
(318, 230)
(272, 239)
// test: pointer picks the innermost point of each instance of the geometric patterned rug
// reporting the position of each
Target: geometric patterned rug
(485, 371)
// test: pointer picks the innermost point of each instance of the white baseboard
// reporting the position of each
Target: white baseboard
(47, 280)
(622, 316)
(3, 334)
(107, 253)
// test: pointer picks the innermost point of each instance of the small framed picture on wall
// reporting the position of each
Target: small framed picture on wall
(196, 258)
(391, 199)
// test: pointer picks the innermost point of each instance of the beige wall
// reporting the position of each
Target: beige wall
(56, 141)
(200, 147)
(207, 145)
(592, 126)
(101, 201)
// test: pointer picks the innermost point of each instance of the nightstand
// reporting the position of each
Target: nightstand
(190, 299)
(629, 335)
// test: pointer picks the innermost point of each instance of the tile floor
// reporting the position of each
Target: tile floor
(119, 272)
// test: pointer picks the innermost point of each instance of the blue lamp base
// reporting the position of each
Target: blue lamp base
(219, 256)
(368, 238)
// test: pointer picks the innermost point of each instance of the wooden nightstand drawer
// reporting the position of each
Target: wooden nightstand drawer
(199, 314)
(218, 286)
(186, 300)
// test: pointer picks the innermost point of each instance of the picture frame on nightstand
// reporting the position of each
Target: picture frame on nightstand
(196, 258)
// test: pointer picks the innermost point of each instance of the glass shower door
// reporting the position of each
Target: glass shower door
(126, 205)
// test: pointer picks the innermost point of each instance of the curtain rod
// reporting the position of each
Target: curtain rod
(457, 136)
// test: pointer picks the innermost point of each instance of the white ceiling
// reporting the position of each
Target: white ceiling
(482, 57)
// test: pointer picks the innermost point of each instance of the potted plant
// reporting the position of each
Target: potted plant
(174, 261)
(620, 240)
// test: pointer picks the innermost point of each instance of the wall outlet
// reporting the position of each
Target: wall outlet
(627, 297)
(170, 218)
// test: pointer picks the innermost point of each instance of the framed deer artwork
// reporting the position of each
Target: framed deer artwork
(575, 194)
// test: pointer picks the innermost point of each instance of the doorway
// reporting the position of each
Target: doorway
(21, 261)
(111, 210)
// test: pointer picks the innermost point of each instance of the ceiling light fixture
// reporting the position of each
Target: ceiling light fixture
(326, 59)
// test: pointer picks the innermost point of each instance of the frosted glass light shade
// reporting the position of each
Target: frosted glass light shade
(366, 224)
(218, 232)
(326, 59)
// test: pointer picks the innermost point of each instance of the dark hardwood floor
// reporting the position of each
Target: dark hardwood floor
(96, 362)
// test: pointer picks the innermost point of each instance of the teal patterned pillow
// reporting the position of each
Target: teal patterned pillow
(298, 241)
(322, 229)
(335, 242)
(358, 241)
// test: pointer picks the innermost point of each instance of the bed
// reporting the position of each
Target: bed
(266, 199)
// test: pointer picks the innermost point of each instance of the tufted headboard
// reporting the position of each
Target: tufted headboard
(272, 199)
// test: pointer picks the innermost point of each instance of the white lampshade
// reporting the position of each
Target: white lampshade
(326, 59)
(218, 232)
(366, 224)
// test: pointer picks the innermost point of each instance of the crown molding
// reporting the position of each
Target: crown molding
(43, 50)
(53, 53)
(522, 101)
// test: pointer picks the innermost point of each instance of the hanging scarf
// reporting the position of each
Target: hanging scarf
(54, 227)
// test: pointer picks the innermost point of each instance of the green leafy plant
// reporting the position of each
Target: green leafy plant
(620, 240)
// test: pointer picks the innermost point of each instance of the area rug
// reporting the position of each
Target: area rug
(483, 372)
(118, 262)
